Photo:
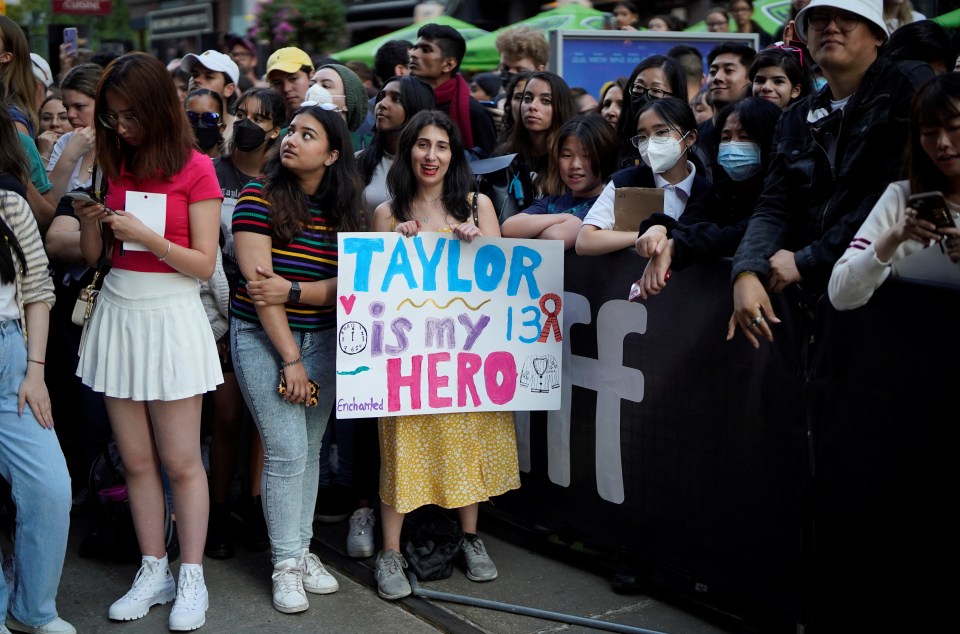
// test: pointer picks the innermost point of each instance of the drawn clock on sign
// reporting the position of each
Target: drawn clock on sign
(353, 337)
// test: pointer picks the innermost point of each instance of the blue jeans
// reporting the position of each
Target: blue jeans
(291, 433)
(32, 462)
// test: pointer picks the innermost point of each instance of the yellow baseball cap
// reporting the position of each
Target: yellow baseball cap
(288, 60)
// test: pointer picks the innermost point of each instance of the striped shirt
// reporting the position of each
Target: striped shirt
(310, 257)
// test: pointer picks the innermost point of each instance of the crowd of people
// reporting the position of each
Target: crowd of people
(214, 196)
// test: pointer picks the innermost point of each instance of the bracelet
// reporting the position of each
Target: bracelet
(169, 246)
(37, 361)
(287, 364)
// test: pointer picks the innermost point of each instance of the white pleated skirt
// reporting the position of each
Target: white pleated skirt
(149, 339)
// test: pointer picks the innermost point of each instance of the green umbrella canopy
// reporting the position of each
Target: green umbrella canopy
(482, 52)
(366, 51)
(769, 14)
(951, 19)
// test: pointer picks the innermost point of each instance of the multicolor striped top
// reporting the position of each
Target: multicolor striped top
(310, 257)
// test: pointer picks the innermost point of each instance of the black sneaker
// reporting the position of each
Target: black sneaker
(255, 536)
(333, 505)
(219, 534)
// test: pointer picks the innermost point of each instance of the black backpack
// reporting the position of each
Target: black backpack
(506, 181)
(112, 536)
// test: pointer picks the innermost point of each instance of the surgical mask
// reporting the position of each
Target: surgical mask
(247, 135)
(661, 153)
(739, 159)
(206, 137)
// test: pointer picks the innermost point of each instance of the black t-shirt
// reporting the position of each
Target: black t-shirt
(11, 184)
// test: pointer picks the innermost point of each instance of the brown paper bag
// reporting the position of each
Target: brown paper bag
(633, 205)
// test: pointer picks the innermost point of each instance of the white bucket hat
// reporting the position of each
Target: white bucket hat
(869, 10)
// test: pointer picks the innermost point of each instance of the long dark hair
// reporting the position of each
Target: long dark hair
(675, 112)
(415, 95)
(933, 105)
(18, 85)
(339, 193)
(627, 123)
(457, 182)
(8, 268)
(507, 123)
(167, 138)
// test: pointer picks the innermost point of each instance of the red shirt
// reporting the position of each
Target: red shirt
(195, 182)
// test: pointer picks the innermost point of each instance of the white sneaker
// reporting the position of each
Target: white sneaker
(56, 626)
(360, 537)
(190, 609)
(316, 579)
(288, 594)
(152, 586)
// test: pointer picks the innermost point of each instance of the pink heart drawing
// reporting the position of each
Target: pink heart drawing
(348, 302)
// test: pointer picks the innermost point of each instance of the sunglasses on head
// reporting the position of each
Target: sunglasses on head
(794, 50)
(204, 119)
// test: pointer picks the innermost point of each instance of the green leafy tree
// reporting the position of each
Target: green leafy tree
(316, 26)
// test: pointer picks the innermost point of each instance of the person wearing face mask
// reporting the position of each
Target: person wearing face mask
(666, 133)
(205, 112)
(712, 225)
(655, 77)
(260, 113)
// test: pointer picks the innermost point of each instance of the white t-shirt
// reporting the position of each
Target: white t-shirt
(75, 181)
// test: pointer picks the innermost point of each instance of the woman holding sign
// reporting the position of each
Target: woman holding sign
(148, 346)
(282, 330)
(452, 460)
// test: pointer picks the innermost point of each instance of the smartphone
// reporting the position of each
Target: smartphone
(85, 197)
(70, 39)
(932, 207)
(489, 104)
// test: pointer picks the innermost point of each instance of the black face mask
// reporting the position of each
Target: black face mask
(247, 135)
(207, 137)
(638, 100)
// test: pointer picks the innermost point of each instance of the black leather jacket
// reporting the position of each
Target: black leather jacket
(812, 202)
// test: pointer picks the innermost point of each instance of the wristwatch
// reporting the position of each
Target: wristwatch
(294, 294)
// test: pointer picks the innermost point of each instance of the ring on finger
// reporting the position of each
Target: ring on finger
(755, 322)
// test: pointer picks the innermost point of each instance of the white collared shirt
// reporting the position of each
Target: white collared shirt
(675, 197)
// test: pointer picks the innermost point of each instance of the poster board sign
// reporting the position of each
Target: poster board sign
(431, 324)
(633, 205)
(589, 59)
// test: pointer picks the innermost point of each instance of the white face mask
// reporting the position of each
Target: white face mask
(661, 153)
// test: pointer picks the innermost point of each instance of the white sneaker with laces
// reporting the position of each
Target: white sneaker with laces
(360, 537)
(152, 586)
(288, 594)
(190, 609)
(316, 579)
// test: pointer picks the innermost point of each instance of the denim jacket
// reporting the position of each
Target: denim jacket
(813, 202)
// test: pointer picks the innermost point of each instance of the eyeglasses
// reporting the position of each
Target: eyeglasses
(663, 133)
(204, 119)
(846, 22)
(111, 121)
(655, 93)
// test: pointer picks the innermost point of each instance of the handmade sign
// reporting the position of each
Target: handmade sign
(431, 324)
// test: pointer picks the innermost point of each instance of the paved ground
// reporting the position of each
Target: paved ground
(240, 597)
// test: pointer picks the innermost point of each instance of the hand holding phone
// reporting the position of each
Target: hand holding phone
(932, 207)
(85, 198)
(70, 39)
